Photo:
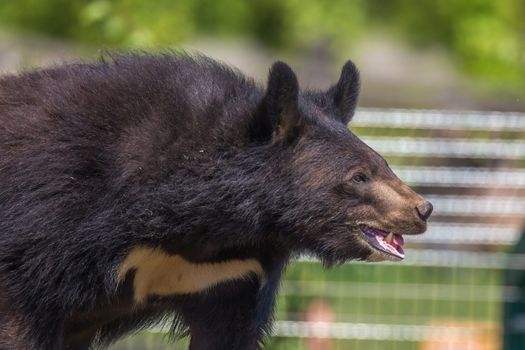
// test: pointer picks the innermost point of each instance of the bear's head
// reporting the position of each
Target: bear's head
(341, 200)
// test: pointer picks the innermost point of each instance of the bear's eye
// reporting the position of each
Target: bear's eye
(359, 178)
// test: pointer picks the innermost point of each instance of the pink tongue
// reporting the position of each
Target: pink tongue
(398, 240)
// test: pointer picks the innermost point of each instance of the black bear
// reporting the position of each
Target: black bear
(151, 187)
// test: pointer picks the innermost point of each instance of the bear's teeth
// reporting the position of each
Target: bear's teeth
(389, 238)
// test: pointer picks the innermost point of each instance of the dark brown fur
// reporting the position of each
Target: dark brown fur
(185, 155)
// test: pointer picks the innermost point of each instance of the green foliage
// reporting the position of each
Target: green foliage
(54, 17)
(485, 37)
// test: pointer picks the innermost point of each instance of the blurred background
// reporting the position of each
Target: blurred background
(443, 97)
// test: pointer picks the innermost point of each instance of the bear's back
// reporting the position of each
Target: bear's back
(123, 91)
(72, 135)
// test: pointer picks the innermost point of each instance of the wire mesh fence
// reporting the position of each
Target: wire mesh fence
(458, 280)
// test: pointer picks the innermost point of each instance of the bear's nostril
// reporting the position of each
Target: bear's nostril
(424, 210)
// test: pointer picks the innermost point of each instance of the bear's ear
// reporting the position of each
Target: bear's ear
(345, 93)
(278, 116)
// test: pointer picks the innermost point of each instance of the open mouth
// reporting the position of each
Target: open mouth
(386, 242)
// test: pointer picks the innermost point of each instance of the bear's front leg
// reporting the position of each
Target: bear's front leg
(234, 316)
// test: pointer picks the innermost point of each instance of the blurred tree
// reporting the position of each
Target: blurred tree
(53, 17)
(486, 37)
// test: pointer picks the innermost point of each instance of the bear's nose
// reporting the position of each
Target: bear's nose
(424, 210)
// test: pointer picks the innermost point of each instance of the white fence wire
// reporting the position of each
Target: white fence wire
(447, 148)
(462, 177)
(442, 120)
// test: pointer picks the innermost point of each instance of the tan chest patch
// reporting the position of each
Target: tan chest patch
(158, 273)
